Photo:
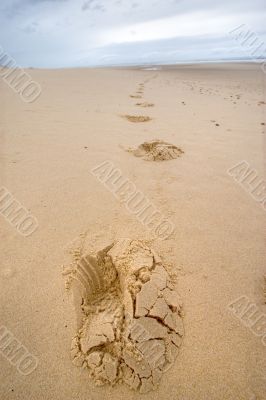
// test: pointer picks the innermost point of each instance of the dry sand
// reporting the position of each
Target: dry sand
(215, 114)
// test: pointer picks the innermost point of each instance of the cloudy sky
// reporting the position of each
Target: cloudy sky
(66, 33)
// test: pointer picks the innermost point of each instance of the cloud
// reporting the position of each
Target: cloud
(186, 49)
(185, 25)
(31, 28)
(88, 32)
(13, 8)
(93, 5)
(32, 2)
(87, 5)
(99, 7)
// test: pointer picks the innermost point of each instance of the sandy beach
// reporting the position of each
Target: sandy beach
(214, 115)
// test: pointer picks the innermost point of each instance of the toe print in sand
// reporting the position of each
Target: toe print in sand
(128, 314)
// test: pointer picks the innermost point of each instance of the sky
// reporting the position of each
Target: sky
(79, 33)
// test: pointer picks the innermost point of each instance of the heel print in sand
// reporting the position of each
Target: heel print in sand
(128, 316)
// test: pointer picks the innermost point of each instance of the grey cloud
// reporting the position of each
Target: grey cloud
(14, 8)
(70, 38)
(166, 51)
(99, 7)
(31, 28)
(43, 1)
(93, 5)
(89, 4)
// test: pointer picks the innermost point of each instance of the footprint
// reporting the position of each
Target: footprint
(129, 316)
(136, 118)
(145, 104)
(157, 150)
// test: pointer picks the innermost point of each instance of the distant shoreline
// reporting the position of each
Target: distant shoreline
(155, 67)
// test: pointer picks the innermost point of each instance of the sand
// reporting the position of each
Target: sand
(145, 104)
(129, 315)
(137, 118)
(157, 150)
(216, 252)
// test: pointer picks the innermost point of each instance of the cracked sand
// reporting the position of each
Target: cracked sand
(128, 315)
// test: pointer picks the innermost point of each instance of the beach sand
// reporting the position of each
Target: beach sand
(84, 117)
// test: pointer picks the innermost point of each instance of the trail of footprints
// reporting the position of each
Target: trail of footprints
(129, 316)
(138, 95)
(155, 150)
